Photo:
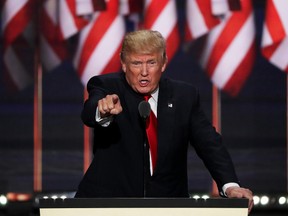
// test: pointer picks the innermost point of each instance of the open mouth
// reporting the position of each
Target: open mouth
(143, 83)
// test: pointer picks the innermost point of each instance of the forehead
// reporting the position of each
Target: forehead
(144, 56)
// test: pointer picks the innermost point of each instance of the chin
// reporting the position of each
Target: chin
(142, 90)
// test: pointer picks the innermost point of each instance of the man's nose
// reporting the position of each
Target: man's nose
(144, 69)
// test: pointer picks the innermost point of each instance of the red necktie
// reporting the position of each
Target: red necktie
(151, 130)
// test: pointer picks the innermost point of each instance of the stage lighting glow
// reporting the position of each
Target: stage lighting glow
(256, 200)
(196, 197)
(264, 200)
(54, 197)
(63, 197)
(205, 197)
(3, 200)
(282, 200)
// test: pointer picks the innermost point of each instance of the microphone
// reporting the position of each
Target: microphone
(144, 109)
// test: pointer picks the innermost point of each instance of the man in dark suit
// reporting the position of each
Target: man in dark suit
(120, 167)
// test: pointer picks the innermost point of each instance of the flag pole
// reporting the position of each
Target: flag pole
(37, 125)
(216, 120)
(87, 140)
(287, 133)
(37, 114)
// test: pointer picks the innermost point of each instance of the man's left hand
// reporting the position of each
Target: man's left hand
(239, 192)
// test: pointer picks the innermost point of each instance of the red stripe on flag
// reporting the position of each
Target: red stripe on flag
(173, 42)
(232, 27)
(274, 25)
(151, 14)
(52, 33)
(269, 50)
(205, 8)
(242, 72)
(114, 62)
(80, 22)
(17, 24)
(104, 21)
(187, 33)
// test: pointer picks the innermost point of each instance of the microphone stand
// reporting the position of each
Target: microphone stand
(144, 111)
(146, 170)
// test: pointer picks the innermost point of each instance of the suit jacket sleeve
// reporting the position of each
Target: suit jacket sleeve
(96, 92)
(208, 145)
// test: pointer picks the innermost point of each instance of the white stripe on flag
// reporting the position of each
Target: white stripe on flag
(50, 59)
(17, 72)
(240, 47)
(195, 19)
(66, 21)
(104, 50)
(281, 7)
(166, 20)
(266, 37)
(211, 40)
(280, 55)
(12, 7)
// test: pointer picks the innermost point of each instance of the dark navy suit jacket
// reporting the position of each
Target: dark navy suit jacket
(117, 166)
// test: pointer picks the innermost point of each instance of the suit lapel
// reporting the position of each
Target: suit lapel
(130, 102)
(165, 117)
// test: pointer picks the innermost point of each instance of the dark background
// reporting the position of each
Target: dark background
(253, 126)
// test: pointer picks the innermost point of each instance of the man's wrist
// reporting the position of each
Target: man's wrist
(226, 186)
(104, 122)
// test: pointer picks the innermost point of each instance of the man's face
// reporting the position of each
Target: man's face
(143, 71)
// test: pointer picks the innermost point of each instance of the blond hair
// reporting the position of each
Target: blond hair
(143, 42)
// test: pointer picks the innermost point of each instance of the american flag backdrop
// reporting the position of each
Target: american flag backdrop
(161, 15)
(274, 42)
(130, 7)
(60, 20)
(100, 42)
(200, 19)
(228, 32)
(16, 17)
(97, 28)
(28, 25)
(40, 24)
(51, 37)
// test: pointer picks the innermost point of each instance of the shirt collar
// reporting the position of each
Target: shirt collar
(154, 94)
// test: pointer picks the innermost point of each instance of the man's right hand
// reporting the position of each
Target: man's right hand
(110, 105)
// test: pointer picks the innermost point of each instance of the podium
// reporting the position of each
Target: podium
(143, 207)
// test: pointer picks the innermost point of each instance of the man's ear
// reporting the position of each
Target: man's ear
(123, 67)
(164, 65)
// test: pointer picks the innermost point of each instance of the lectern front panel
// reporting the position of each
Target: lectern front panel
(144, 207)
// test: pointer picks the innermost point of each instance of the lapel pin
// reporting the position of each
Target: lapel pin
(170, 105)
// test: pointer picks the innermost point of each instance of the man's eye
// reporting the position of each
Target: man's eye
(136, 63)
(152, 63)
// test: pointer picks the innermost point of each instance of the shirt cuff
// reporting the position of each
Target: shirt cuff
(104, 122)
(226, 186)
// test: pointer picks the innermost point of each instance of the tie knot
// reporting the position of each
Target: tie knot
(147, 97)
